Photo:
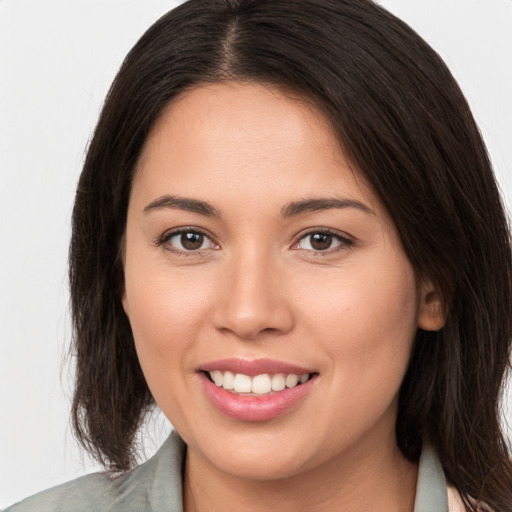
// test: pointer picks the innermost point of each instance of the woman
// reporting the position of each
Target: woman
(288, 236)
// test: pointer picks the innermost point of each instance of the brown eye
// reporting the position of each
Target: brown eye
(323, 242)
(188, 241)
(192, 241)
(320, 241)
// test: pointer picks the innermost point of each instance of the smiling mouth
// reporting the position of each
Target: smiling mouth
(263, 384)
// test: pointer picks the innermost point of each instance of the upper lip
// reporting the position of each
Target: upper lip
(254, 367)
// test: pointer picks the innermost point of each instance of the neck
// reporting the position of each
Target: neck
(378, 479)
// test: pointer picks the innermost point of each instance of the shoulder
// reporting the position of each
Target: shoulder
(154, 485)
(91, 492)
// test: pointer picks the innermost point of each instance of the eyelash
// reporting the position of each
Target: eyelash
(168, 235)
(344, 241)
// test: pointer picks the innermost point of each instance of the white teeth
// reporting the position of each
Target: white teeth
(242, 383)
(261, 384)
(217, 377)
(292, 380)
(278, 382)
(229, 380)
(258, 385)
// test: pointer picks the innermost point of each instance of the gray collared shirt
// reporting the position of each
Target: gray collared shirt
(155, 486)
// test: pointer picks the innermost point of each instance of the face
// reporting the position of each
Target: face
(272, 305)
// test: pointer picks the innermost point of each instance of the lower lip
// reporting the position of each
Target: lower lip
(253, 407)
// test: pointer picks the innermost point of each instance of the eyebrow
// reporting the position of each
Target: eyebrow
(290, 210)
(182, 203)
(319, 204)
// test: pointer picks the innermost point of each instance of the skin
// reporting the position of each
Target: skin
(257, 289)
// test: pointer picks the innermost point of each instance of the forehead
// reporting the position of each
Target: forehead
(245, 138)
(215, 115)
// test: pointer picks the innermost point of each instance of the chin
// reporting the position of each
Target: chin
(252, 456)
(260, 466)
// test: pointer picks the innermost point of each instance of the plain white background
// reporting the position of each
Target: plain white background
(57, 59)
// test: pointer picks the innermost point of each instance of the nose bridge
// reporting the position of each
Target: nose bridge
(254, 299)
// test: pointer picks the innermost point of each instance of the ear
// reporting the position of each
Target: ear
(431, 314)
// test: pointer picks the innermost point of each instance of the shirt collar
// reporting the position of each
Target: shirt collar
(431, 494)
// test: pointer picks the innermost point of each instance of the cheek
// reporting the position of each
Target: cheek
(167, 311)
(167, 315)
(377, 301)
(365, 322)
(160, 314)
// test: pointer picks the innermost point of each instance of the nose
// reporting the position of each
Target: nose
(252, 298)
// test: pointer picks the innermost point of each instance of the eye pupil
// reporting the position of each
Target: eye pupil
(192, 241)
(321, 241)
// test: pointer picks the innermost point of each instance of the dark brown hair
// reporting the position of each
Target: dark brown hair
(405, 126)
